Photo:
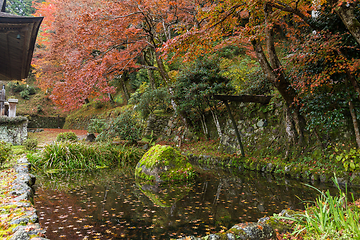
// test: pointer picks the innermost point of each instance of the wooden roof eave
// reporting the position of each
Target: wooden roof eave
(24, 48)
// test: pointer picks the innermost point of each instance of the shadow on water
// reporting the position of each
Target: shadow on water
(110, 204)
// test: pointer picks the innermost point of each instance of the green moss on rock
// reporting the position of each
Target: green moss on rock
(164, 164)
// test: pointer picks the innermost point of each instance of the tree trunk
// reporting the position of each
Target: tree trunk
(204, 126)
(276, 75)
(217, 124)
(273, 70)
(124, 88)
(289, 128)
(149, 62)
(151, 79)
(111, 98)
(346, 12)
(215, 118)
(164, 75)
(355, 123)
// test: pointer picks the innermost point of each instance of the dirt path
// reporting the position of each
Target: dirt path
(48, 135)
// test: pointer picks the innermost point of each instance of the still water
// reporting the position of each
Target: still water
(110, 204)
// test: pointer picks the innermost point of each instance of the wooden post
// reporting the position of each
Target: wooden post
(235, 126)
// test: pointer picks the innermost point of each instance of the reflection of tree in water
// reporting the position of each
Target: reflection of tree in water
(112, 202)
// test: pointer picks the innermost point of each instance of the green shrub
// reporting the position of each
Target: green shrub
(350, 159)
(126, 126)
(23, 89)
(99, 104)
(71, 156)
(96, 125)
(16, 87)
(148, 100)
(30, 144)
(66, 136)
(31, 90)
(25, 94)
(5, 151)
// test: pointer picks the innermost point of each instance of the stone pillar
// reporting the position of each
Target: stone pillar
(2, 100)
(12, 107)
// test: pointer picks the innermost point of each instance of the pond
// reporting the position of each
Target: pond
(110, 204)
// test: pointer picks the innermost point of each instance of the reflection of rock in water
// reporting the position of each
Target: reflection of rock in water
(164, 195)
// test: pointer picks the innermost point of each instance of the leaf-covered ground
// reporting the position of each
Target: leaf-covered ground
(49, 135)
(8, 210)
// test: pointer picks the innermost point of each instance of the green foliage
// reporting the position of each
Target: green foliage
(99, 104)
(126, 126)
(30, 144)
(20, 7)
(246, 76)
(325, 110)
(66, 136)
(128, 155)
(5, 151)
(13, 120)
(196, 84)
(23, 89)
(330, 218)
(150, 139)
(72, 156)
(350, 159)
(96, 125)
(148, 100)
(229, 51)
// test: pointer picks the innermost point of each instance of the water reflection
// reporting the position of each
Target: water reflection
(110, 204)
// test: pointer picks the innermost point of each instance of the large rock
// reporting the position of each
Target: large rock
(164, 164)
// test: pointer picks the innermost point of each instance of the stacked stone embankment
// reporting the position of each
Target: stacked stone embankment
(25, 225)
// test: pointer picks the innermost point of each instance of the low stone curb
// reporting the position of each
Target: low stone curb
(291, 170)
(265, 228)
(27, 226)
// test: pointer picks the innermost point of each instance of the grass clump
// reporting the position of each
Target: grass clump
(332, 217)
(76, 156)
(5, 151)
(66, 136)
(30, 144)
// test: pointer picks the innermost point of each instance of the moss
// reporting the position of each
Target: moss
(253, 166)
(279, 226)
(4, 120)
(173, 165)
(259, 167)
(355, 179)
(237, 232)
(222, 236)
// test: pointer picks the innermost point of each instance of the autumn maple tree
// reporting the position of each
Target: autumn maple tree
(261, 27)
(88, 43)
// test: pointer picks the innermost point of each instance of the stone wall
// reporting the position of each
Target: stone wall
(13, 130)
(36, 121)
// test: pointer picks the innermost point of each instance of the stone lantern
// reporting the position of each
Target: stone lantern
(12, 107)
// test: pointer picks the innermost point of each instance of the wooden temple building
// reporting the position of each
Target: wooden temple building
(17, 42)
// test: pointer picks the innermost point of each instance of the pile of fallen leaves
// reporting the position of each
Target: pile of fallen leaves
(7, 208)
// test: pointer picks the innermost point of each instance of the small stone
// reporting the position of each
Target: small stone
(261, 123)
(90, 137)
(21, 234)
(250, 129)
(230, 236)
(20, 221)
(213, 237)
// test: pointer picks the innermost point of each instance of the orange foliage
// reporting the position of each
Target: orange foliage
(86, 43)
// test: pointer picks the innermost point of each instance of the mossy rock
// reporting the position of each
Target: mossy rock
(164, 164)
